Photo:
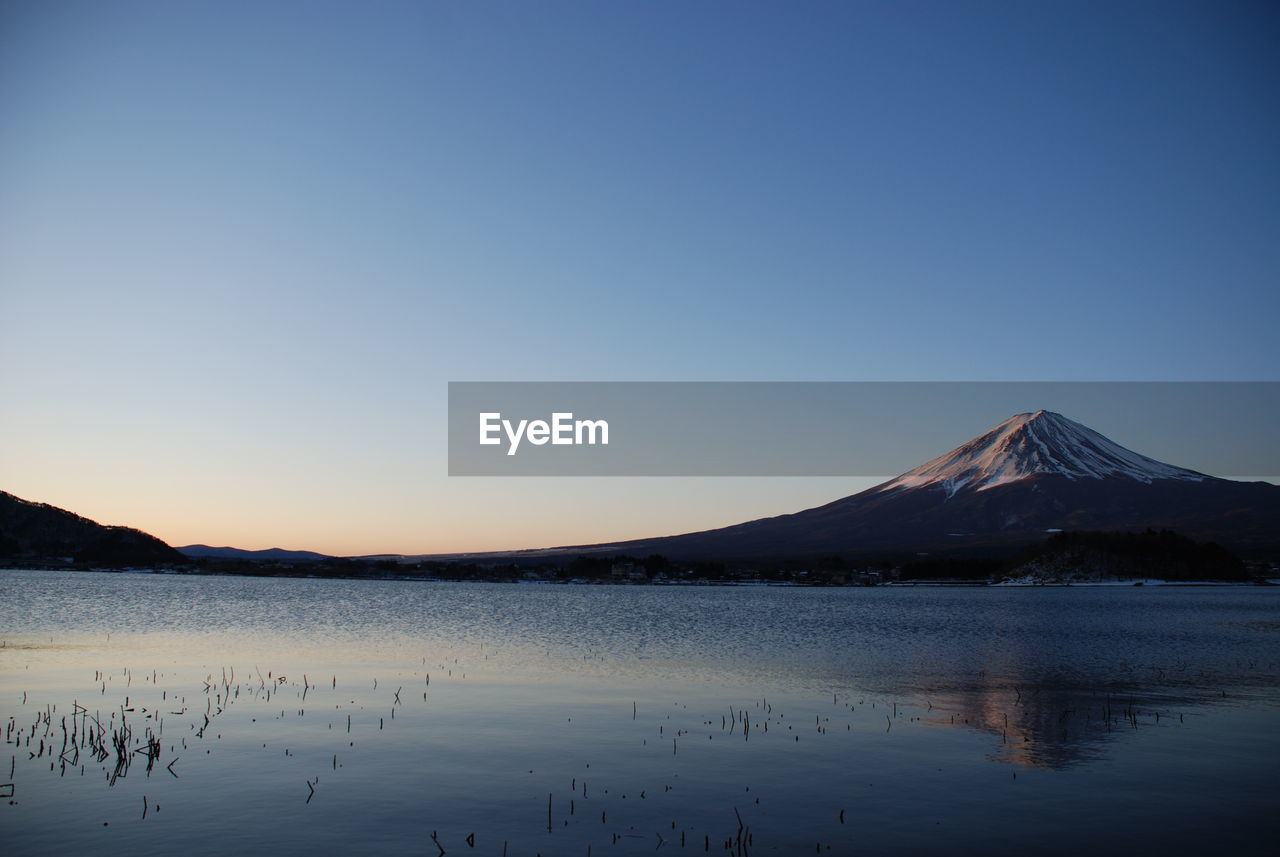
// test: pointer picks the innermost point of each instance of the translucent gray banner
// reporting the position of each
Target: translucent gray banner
(835, 428)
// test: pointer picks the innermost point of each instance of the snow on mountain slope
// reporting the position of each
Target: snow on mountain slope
(1028, 445)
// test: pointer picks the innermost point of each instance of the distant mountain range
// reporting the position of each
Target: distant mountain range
(275, 554)
(40, 532)
(1033, 474)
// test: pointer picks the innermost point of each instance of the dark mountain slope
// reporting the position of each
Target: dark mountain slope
(1033, 473)
(34, 532)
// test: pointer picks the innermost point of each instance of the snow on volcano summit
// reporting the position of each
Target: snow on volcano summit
(1027, 445)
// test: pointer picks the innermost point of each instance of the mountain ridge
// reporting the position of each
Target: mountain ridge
(202, 551)
(1034, 473)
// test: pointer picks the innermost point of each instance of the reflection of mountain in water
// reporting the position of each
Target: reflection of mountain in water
(1039, 723)
(1074, 670)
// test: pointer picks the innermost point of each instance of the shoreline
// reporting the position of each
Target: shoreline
(1020, 583)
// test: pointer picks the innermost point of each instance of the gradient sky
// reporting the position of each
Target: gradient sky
(245, 246)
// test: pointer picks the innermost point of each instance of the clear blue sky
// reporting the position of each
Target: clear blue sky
(244, 246)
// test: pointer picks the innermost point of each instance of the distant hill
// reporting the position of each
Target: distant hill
(276, 554)
(38, 532)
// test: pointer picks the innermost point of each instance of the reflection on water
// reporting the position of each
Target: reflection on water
(292, 715)
(1075, 671)
(1046, 727)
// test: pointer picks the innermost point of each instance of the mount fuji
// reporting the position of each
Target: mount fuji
(1029, 445)
(1031, 474)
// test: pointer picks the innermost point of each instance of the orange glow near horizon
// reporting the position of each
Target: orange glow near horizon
(474, 516)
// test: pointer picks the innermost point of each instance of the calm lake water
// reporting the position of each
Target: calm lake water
(211, 715)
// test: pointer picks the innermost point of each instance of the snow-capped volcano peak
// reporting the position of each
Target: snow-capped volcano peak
(1036, 444)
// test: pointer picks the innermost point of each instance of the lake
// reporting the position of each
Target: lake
(209, 715)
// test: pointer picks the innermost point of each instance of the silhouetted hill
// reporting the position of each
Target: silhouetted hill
(36, 532)
(1091, 557)
(1088, 556)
